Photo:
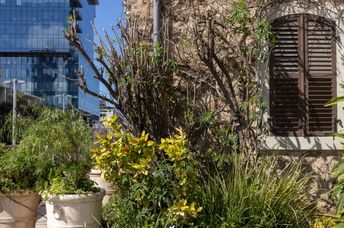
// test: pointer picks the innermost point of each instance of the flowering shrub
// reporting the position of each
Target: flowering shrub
(155, 182)
(121, 155)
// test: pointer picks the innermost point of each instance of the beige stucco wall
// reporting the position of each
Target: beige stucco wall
(335, 13)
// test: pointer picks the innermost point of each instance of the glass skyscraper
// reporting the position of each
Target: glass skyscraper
(33, 49)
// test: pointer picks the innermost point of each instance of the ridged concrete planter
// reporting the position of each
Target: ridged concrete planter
(18, 211)
(95, 175)
(79, 210)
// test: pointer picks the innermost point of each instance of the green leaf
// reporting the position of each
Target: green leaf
(338, 169)
(335, 101)
(340, 203)
(338, 135)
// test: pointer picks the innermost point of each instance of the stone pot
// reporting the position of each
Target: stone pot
(95, 175)
(18, 210)
(77, 210)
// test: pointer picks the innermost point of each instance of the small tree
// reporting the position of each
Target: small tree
(230, 48)
(143, 84)
(139, 80)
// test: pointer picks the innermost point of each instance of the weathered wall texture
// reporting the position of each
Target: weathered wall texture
(318, 154)
(178, 18)
(177, 15)
(317, 165)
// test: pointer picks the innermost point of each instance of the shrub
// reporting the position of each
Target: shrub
(256, 196)
(157, 186)
(62, 140)
(18, 170)
(19, 164)
(53, 156)
(26, 114)
(338, 172)
(156, 183)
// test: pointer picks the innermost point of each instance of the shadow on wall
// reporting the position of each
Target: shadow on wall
(316, 144)
(318, 165)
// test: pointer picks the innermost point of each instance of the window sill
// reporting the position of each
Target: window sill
(302, 143)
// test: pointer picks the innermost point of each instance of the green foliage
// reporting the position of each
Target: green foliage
(255, 196)
(338, 170)
(156, 183)
(52, 157)
(338, 189)
(62, 140)
(20, 167)
(240, 17)
(336, 100)
(264, 38)
(237, 42)
(113, 157)
(5, 135)
(70, 179)
(18, 170)
(26, 114)
(327, 221)
(2, 149)
(157, 186)
(246, 24)
(219, 143)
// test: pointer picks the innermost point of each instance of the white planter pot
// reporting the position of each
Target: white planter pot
(18, 211)
(79, 210)
(95, 175)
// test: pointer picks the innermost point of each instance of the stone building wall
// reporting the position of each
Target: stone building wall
(317, 165)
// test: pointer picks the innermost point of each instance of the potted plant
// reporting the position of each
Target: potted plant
(64, 140)
(18, 177)
(20, 171)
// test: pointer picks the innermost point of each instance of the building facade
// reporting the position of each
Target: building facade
(6, 95)
(106, 111)
(33, 49)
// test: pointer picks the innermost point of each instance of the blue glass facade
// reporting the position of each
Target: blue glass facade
(33, 48)
(87, 14)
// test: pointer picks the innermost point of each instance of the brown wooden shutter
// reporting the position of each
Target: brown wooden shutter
(303, 76)
(285, 81)
(320, 56)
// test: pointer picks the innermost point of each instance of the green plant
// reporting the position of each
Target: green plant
(3, 148)
(138, 76)
(255, 196)
(18, 170)
(229, 47)
(327, 221)
(156, 183)
(338, 190)
(53, 156)
(20, 167)
(62, 140)
(26, 114)
(338, 170)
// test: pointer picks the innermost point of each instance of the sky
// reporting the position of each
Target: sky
(107, 14)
